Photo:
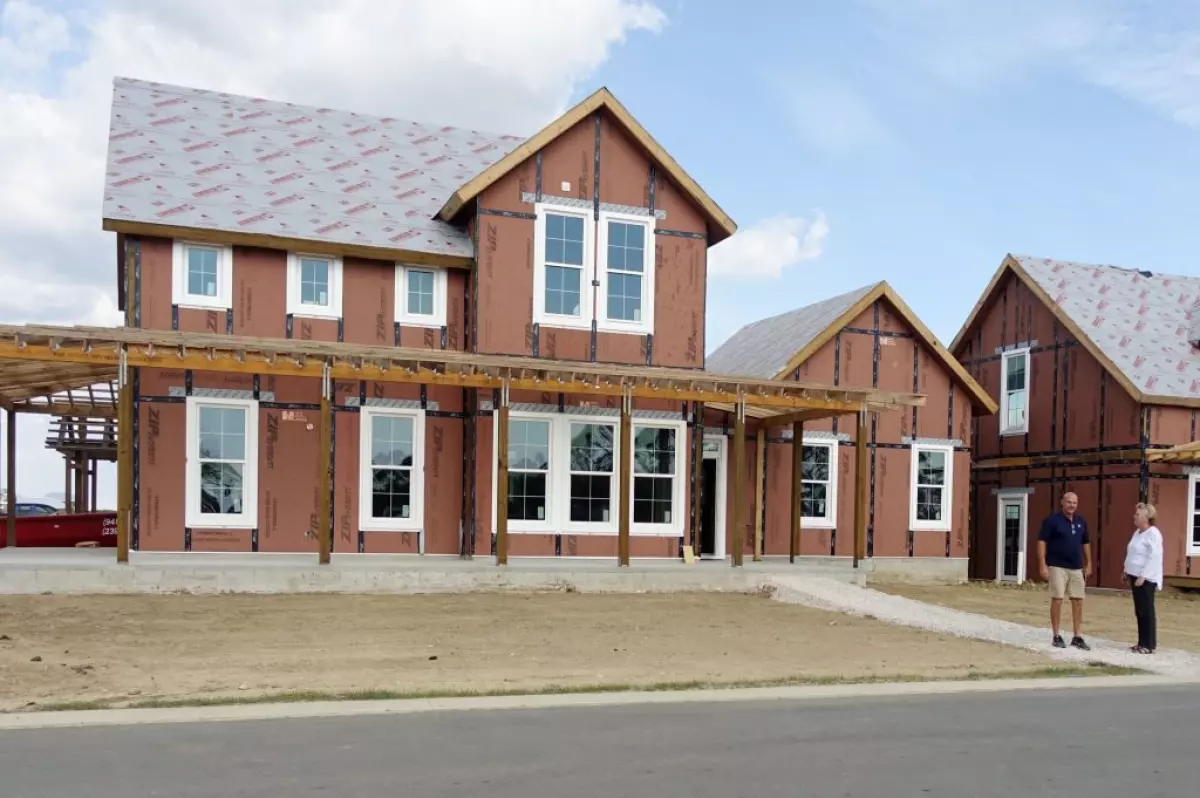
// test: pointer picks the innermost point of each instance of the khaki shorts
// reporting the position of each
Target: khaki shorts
(1066, 583)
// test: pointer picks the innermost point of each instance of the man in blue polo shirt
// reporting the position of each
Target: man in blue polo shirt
(1065, 557)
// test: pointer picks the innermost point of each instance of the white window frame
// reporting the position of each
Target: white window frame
(608, 527)
(678, 510)
(179, 282)
(1005, 428)
(1192, 546)
(829, 520)
(587, 290)
(416, 515)
(945, 524)
(603, 322)
(193, 516)
(331, 309)
(440, 300)
(546, 525)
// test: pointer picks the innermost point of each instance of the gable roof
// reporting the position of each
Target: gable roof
(1133, 322)
(720, 225)
(775, 346)
(182, 160)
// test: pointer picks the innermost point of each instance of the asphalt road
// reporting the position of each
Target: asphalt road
(1074, 743)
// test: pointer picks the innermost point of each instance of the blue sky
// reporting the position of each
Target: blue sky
(933, 143)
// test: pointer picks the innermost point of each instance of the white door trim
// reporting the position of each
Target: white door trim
(721, 456)
(1020, 499)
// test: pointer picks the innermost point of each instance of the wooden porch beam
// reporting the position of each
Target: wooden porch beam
(625, 477)
(1047, 460)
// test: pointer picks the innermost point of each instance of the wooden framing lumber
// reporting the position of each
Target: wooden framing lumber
(625, 477)
(502, 479)
(861, 475)
(738, 527)
(124, 467)
(10, 523)
(1076, 458)
(324, 473)
(797, 487)
(698, 481)
(760, 464)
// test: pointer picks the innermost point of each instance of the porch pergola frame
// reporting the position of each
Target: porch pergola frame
(65, 356)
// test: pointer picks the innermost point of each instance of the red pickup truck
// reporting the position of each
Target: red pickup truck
(39, 529)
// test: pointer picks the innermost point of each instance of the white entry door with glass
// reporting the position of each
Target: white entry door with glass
(1010, 537)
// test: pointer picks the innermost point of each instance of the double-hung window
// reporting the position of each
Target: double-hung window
(1193, 517)
(202, 275)
(420, 296)
(818, 485)
(1014, 396)
(529, 473)
(391, 469)
(626, 273)
(931, 486)
(592, 474)
(314, 286)
(562, 289)
(221, 481)
(657, 488)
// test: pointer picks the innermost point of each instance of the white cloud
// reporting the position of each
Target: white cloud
(1148, 53)
(506, 67)
(769, 247)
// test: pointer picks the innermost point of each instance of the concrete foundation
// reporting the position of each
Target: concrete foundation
(88, 571)
(916, 570)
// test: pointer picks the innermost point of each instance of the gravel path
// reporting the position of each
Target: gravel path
(841, 597)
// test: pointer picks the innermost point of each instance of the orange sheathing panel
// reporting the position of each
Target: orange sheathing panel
(163, 459)
(1169, 497)
(590, 546)
(1043, 321)
(343, 390)
(1041, 402)
(505, 274)
(293, 390)
(819, 369)
(1090, 497)
(891, 503)
(681, 212)
(390, 543)
(680, 268)
(612, 348)
(741, 529)
(890, 321)
(777, 529)
(155, 292)
(443, 485)
(221, 540)
(1082, 400)
(484, 464)
(934, 382)
(960, 513)
(561, 344)
(287, 483)
(928, 544)
(201, 321)
(345, 482)
(392, 390)
(505, 193)
(314, 329)
(653, 547)
(963, 414)
(989, 425)
(624, 170)
(157, 382)
(259, 292)
(368, 302)
(1121, 417)
(225, 380)
(1170, 426)
(571, 157)
(856, 363)
(420, 337)
(895, 374)
(1120, 496)
(447, 398)
(522, 545)
(456, 290)
(847, 469)
(983, 555)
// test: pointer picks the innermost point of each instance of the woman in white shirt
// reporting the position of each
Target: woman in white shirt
(1144, 572)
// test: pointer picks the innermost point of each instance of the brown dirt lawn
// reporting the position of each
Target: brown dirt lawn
(202, 646)
(1104, 614)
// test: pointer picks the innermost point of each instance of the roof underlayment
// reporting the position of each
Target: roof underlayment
(764, 348)
(202, 159)
(1138, 320)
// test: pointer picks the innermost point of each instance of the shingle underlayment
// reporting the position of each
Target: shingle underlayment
(763, 348)
(1138, 319)
(202, 159)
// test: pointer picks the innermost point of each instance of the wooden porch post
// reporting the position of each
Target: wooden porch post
(625, 476)
(11, 481)
(739, 482)
(698, 480)
(797, 486)
(760, 462)
(861, 476)
(324, 507)
(67, 484)
(124, 459)
(93, 474)
(80, 482)
(502, 478)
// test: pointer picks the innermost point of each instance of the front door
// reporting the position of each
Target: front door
(712, 499)
(1010, 539)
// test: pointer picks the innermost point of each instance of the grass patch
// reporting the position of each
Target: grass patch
(301, 696)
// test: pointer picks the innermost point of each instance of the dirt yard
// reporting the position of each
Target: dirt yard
(55, 649)
(1104, 615)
